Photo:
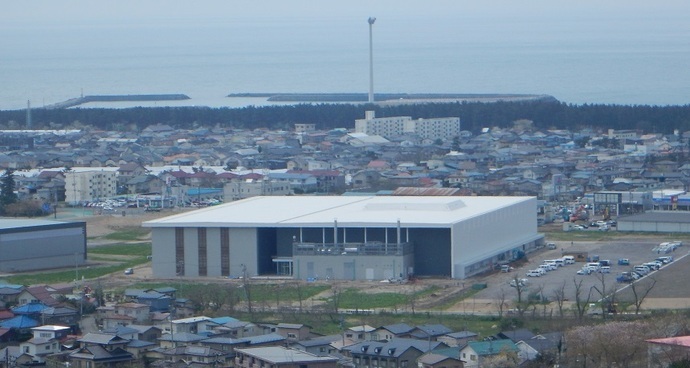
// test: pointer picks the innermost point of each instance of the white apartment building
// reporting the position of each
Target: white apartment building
(90, 185)
(434, 128)
(245, 189)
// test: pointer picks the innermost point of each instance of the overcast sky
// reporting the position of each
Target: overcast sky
(36, 12)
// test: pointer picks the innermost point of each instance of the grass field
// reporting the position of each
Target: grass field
(101, 262)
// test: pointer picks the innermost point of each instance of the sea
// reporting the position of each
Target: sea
(633, 60)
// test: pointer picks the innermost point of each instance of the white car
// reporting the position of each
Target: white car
(521, 282)
(533, 273)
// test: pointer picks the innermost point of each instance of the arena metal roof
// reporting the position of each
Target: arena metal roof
(317, 211)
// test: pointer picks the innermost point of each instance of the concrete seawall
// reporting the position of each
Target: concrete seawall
(72, 102)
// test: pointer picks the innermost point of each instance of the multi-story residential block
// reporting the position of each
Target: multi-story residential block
(90, 185)
(434, 128)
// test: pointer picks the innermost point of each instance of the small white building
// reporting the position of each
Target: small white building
(45, 341)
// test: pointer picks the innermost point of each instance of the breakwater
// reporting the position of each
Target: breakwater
(390, 97)
(72, 102)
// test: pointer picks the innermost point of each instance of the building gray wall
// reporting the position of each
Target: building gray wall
(477, 241)
(351, 267)
(243, 252)
(43, 247)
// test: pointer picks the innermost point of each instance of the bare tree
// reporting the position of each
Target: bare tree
(412, 298)
(520, 289)
(581, 303)
(336, 291)
(559, 297)
(640, 295)
(500, 302)
(300, 294)
(247, 289)
(607, 300)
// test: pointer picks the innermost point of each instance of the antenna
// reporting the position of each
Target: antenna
(371, 59)
(28, 114)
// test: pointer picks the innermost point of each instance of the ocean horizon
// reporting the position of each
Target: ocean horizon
(583, 60)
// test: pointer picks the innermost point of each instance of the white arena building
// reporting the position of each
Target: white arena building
(346, 237)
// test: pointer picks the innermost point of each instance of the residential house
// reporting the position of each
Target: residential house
(198, 356)
(433, 360)
(389, 332)
(460, 338)
(201, 325)
(430, 332)
(547, 346)
(45, 341)
(61, 315)
(228, 345)
(173, 340)
(100, 350)
(280, 357)
(475, 352)
(44, 294)
(321, 346)
(360, 333)
(13, 356)
(396, 353)
(124, 314)
(9, 294)
(239, 329)
(293, 332)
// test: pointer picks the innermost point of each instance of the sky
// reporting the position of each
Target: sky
(37, 12)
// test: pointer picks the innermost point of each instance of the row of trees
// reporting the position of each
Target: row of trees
(600, 299)
(545, 113)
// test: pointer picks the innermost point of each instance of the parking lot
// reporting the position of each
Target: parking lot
(636, 251)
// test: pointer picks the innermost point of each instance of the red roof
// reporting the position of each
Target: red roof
(227, 175)
(255, 176)
(6, 314)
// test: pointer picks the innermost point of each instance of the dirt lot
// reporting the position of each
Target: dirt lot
(668, 292)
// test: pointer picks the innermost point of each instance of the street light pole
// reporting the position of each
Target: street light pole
(371, 59)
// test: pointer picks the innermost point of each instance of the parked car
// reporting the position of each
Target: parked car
(551, 245)
(665, 259)
(533, 273)
(520, 282)
(129, 271)
(623, 262)
(641, 269)
(506, 268)
(625, 277)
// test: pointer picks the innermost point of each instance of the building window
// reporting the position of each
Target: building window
(225, 252)
(179, 251)
(203, 260)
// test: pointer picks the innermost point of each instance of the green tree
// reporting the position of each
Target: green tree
(7, 195)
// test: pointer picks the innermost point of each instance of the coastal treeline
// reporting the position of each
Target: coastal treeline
(546, 114)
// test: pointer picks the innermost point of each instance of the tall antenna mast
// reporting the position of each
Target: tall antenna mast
(28, 114)
(371, 59)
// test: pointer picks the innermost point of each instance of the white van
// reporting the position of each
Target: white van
(568, 259)
(593, 265)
